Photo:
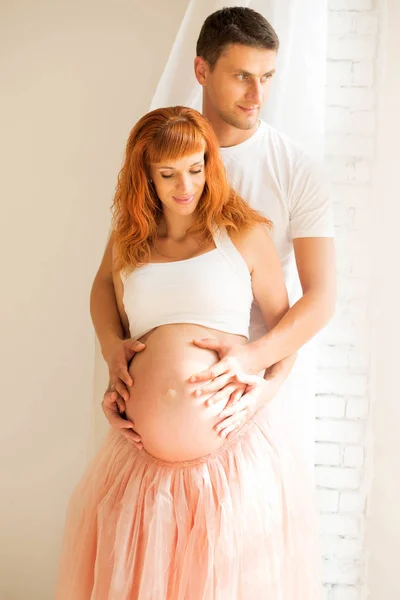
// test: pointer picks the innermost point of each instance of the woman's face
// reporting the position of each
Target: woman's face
(179, 184)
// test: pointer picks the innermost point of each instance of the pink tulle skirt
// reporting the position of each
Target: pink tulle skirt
(239, 524)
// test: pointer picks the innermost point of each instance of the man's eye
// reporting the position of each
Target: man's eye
(242, 76)
(267, 76)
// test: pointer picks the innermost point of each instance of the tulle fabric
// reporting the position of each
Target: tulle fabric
(236, 525)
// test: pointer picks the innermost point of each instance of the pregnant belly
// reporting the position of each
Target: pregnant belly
(174, 424)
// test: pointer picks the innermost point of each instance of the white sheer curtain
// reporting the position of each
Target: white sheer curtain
(296, 104)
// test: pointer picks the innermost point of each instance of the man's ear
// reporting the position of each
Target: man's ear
(201, 70)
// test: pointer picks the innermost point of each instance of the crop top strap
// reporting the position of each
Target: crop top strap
(229, 251)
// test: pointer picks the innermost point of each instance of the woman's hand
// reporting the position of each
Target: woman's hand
(234, 362)
(113, 406)
(237, 413)
(118, 361)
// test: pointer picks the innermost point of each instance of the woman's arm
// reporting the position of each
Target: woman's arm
(242, 362)
(270, 292)
(290, 328)
(267, 279)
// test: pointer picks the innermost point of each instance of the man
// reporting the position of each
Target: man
(235, 63)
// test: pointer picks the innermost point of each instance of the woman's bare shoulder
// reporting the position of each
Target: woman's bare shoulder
(253, 239)
(253, 244)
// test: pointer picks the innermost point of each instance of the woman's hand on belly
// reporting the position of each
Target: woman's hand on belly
(222, 382)
(172, 422)
(237, 413)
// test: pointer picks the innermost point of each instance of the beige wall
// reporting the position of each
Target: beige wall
(74, 79)
(383, 529)
(74, 76)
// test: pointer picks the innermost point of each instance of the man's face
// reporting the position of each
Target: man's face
(238, 86)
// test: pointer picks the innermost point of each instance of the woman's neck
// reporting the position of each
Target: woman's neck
(175, 227)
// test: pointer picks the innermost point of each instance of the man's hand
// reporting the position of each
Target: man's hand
(234, 362)
(236, 414)
(113, 405)
(118, 362)
(117, 393)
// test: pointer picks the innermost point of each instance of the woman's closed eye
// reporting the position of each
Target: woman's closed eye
(164, 176)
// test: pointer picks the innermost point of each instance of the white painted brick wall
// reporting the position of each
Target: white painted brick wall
(343, 354)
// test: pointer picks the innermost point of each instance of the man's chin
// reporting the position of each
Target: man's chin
(250, 123)
(243, 122)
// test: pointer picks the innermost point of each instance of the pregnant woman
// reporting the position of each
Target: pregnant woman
(193, 515)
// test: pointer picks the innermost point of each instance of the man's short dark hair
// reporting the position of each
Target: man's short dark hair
(236, 25)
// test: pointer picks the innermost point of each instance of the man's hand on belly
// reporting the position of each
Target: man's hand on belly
(113, 406)
(122, 354)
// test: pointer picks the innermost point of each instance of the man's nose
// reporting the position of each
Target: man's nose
(256, 93)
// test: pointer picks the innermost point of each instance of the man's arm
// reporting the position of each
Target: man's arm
(111, 324)
(103, 306)
(116, 350)
(270, 292)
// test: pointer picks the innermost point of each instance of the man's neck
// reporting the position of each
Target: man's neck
(227, 134)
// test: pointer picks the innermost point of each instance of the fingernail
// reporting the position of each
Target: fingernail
(193, 379)
(198, 393)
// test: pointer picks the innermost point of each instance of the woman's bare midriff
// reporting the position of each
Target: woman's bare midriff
(174, 424)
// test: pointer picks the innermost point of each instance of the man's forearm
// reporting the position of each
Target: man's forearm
(105, 315)
(277, 373)
(301, 323)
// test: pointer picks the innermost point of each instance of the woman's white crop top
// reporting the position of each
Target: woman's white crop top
(213, 289)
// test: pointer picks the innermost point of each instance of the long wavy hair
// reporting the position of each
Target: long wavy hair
(168, 134)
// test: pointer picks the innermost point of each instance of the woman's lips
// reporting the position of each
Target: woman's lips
(183, 200)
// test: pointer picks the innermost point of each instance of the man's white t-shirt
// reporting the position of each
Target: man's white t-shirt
(276, 177)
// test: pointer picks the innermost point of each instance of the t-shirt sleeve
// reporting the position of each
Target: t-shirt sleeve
(309, 200)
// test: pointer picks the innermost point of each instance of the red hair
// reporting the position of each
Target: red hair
(161, 135)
